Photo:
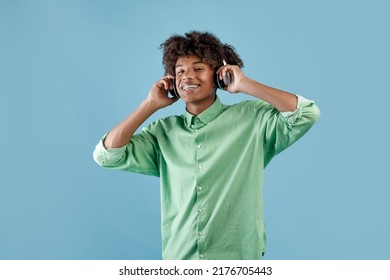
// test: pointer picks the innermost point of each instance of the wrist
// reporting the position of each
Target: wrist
(149, 106)
(246, 85)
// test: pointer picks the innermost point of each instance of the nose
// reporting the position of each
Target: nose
(187, 75)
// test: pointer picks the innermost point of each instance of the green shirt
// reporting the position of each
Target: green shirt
(211, 171)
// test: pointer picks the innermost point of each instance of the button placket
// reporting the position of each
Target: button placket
(201, 197)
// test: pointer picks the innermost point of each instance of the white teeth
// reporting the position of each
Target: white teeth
(189, 87)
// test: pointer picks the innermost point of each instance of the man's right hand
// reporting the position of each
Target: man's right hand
(158, 95)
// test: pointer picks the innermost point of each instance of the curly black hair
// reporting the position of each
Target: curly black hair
(205, 45)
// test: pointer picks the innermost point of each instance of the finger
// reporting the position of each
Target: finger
(170, 79)
(220, 69)
(224, 70)
(227, 69)
(159, 84)
(163, 84)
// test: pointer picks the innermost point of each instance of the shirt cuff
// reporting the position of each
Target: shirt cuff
(111, 154)
(291, 116)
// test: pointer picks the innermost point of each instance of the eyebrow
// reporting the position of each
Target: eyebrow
(196, 62)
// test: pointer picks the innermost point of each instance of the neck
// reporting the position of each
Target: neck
(197, 108)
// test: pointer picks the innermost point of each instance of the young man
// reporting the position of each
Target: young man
(211, 158)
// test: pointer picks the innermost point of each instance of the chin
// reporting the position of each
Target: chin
(197, 98)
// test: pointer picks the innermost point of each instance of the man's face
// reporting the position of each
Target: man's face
(194, 80)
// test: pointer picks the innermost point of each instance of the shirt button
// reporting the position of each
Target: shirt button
(202, 256)
(200, 188)
(196, 130)
(200, 233)
(199, 166)
(200, 211)
(199, 146)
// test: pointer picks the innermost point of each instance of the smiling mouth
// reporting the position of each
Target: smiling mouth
(189, 87)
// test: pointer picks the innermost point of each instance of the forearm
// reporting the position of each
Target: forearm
(121, 134)
(281, 100)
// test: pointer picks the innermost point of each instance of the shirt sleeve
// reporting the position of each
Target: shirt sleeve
(140, 155)
(279, 130)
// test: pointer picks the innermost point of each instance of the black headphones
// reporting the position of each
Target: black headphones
(219, 83)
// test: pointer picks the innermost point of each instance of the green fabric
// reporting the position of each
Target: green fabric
(211, 170)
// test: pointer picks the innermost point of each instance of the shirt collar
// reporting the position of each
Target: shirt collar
(208, 115)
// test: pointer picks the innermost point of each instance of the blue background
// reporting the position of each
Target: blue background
(71, 70)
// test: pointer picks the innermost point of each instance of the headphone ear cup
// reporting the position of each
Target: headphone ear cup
(216, 81)
(222, 84)
(174, 91)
